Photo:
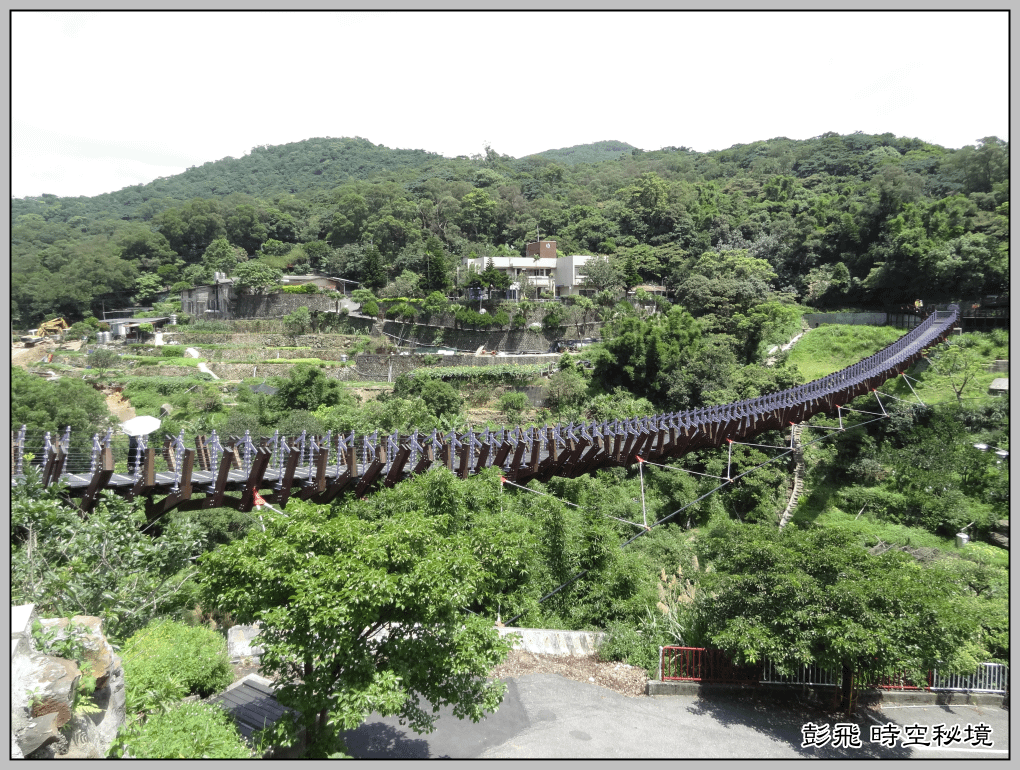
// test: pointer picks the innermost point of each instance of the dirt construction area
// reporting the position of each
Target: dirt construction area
(31, 358)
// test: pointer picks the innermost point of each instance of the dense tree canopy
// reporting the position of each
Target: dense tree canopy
(855, 219)
(797, 597)
(374, 619)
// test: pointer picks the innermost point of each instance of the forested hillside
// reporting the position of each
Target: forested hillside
(839, 220)
(864, 577)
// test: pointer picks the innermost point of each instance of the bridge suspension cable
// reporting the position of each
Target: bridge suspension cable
(278, 469)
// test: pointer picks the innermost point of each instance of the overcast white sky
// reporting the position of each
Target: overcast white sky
(103, 100)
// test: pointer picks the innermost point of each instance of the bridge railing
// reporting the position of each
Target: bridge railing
(531, 447)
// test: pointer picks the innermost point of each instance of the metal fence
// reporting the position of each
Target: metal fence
(808, 675)
(989, 677)
(700, 664)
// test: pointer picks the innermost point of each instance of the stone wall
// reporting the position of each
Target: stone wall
(259, 355)
(244, 371)
(382, 367)
(363, 367)
(508, 341)
(279, 305)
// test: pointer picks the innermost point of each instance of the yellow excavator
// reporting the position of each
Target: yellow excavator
(55, 327)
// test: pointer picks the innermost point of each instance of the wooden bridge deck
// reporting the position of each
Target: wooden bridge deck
(309, 473)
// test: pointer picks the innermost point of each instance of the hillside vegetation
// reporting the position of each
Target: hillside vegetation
(866, 579)
(839, 220)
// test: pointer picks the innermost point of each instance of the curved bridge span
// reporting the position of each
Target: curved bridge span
(321, 469)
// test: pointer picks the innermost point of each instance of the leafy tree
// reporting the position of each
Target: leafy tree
(299, 421)
(373, 274)
(629, 275)
(404, 285)
(567, 387)
(724, 283)
(53, 406)
(348, 223)
(512, 405)
(768, 324)
(298, 321)
(440, 397)
(435, 270)
(477, 214)
(602, 275)
(959, 366)
(307, 387)
(817, 597)
(641, 354)
(245, 228)
(255, 276)
(190, 228)
(436, 304)
(361, 615)
(148, 288)
(100, 360)
(491, 276)
(102, 564)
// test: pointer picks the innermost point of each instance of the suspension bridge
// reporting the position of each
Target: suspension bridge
(236, 472)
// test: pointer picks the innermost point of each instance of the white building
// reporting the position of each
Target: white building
(541, 268)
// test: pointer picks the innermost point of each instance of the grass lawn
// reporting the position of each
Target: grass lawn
(830, 348)
(927, 384)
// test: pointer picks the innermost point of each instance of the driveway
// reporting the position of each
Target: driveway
(548, 716)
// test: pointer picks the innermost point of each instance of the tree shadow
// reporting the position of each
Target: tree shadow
(378, 740)
(820, 489)
(782, 721)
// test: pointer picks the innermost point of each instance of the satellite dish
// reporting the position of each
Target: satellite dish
(140, 426)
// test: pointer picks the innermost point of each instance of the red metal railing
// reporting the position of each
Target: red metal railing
(698, 664)
(898, 682)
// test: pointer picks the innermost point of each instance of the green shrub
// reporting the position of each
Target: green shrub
(167, 661)
(173, 351)
(192, 730)
(553, 320)
(876, 502)
(626, 644)
(370, 308)
(512, 404)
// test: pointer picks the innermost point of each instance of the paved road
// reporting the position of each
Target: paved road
(547, 716)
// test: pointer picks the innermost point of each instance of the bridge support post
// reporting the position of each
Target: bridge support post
(100, 478)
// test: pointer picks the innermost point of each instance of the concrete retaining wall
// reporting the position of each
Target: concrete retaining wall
(241, 641)
(550, 642)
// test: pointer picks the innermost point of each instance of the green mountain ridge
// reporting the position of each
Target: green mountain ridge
(865, 219)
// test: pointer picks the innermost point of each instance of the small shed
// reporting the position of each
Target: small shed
(999, 385)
